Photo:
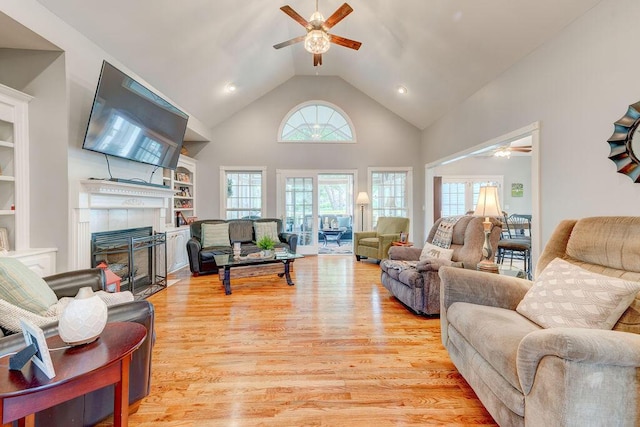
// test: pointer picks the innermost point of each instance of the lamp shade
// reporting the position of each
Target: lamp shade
(363, 198)
(488, 202)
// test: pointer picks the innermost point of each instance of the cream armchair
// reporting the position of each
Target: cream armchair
(527, 375)
(376, 244)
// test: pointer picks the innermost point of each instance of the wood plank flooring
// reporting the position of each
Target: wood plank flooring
(334, 350)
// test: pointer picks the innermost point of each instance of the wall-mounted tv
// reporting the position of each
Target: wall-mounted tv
(130, 121)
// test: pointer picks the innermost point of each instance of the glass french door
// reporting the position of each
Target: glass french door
(306, 197)
(297, 195)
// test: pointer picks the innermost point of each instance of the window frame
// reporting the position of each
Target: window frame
(316, 102)
(224, 170)
(409, 190)
(469, 181)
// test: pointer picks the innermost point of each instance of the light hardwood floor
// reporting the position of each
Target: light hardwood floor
(334, 350)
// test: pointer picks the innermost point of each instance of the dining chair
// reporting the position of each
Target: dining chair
(516, 243)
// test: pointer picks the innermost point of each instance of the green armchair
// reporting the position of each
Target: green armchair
(376, 244)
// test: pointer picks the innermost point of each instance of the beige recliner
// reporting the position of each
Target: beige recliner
(527, 375)
(376, 244)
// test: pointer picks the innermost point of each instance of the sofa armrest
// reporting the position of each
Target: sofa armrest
(404, 253)
(477, 287)
(586, 346)
(67, 284)
(193, 252)
(290, 239)
(362, 235)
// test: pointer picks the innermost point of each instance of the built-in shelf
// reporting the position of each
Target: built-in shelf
(182, 181)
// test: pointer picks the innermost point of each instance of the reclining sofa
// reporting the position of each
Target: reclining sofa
(418, 287)
(93, 407)
(202, 259)
(527, 375)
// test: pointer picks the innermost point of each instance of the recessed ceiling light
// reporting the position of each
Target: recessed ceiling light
(231, 88)
(402, 90)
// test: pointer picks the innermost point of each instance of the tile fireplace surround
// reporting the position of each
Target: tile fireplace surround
(108, 206)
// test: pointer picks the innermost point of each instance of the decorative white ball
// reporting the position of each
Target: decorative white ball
(83, 319)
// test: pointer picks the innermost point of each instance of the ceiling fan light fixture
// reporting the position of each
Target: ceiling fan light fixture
(503, 152)
(317, 42)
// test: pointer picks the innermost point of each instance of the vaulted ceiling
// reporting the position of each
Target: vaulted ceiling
(442, 51)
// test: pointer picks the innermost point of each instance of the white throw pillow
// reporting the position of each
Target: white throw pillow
(266, 229)
(566, 295)
(433, 251)
(215, 235)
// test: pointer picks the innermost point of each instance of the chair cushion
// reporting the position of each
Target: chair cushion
(433, 251)
(263, 229)
(565, 295)
(215, 235)
(23, 288)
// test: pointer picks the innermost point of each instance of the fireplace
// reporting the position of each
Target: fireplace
(136, 255)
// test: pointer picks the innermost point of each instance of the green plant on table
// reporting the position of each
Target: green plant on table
(266, 243)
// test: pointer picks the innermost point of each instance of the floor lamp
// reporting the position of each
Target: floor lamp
(362, 200)
(488, 206)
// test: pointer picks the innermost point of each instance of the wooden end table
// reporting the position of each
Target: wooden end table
(79, 370)
(407, 244)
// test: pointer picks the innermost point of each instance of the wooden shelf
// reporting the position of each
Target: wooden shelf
(7, 212)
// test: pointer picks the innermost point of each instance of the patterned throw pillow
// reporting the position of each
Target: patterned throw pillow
(566, 295)
(215, 235)
(433, 251)
(23, 288)
(444, 232)
(266, 229)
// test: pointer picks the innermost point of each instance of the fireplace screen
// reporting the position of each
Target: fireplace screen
(136, 255)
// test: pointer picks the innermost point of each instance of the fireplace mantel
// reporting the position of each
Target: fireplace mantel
(103, 194)
(104, 205)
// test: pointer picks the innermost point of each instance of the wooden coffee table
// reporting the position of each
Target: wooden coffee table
(79, 370)
(249, 267)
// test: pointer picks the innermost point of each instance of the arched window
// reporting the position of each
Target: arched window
(316, 121)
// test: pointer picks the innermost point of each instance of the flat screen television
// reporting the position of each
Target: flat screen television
(129, 121)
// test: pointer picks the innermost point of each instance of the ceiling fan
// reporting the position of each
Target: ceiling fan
(317, 40)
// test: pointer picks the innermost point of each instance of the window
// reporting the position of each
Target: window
(316, 121)
(242, 192)
(390, 192)
(460, 193)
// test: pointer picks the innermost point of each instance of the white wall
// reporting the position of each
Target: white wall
(249, 138)
(517, 169)
(83, 61)
(577, 85)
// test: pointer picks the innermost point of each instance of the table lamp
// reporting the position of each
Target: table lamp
(362, 200)
(488, 206)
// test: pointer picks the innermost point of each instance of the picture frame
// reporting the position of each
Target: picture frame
(42, 359)
(191, 219)
(4, 240)
(404, 237)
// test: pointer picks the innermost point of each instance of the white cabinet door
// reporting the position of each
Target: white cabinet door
(177, 249)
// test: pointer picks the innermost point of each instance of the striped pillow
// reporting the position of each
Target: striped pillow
(22, 287)
(215, 235)
(266, 229)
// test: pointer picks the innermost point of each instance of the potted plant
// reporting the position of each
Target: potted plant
(266, 243)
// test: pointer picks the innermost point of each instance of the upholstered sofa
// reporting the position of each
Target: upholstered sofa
(93, 407)
(525, 374)
(376, 244)
(202, 255)
(416, 283)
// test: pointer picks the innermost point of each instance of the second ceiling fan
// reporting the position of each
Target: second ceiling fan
(317, 40)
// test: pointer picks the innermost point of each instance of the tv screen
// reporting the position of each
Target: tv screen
(129, 121)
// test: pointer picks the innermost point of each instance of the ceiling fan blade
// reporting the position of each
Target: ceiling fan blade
(351, 44)
(524, 148)
(317, 59)
(289, 42)
(338, 15)
(296, 16)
